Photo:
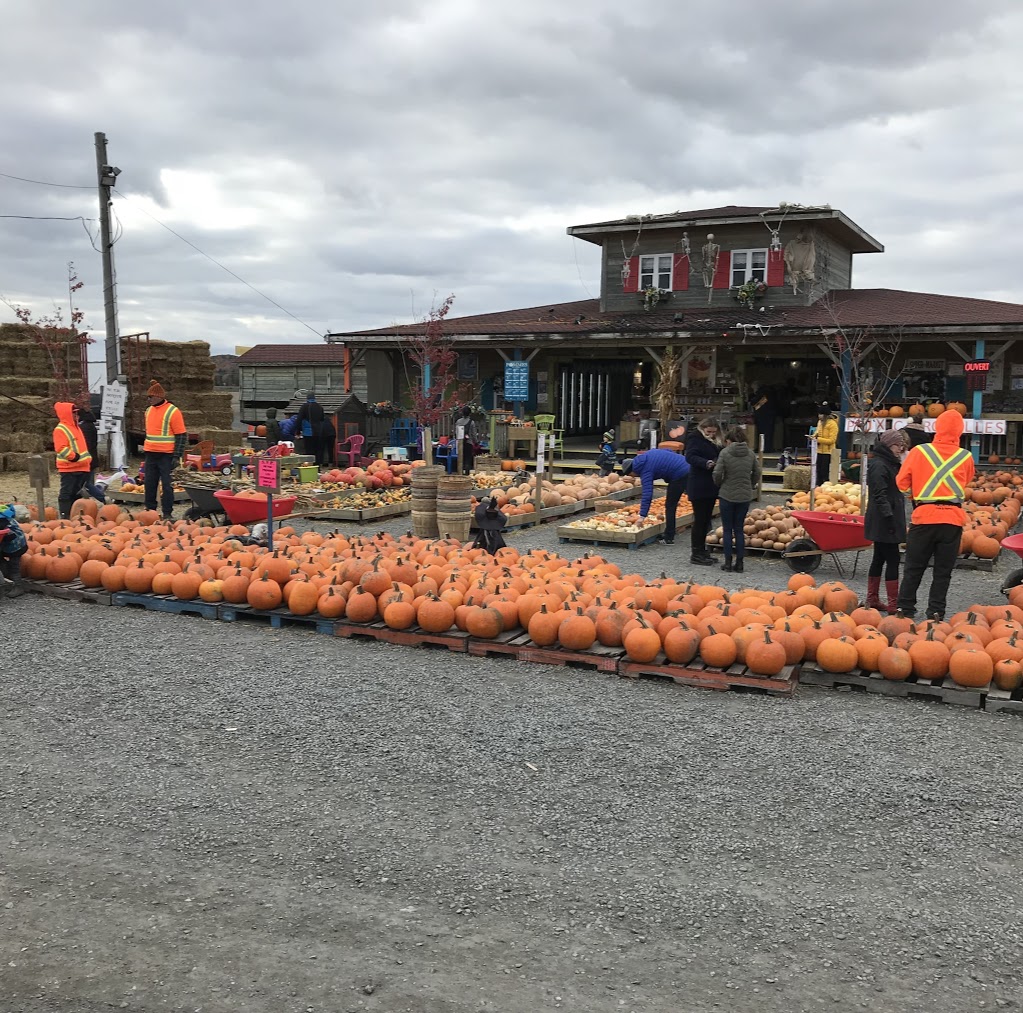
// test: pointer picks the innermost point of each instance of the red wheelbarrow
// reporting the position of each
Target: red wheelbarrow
(829, 534)
(1014, 543)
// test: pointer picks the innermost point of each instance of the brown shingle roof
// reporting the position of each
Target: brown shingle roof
(321, 354)
(872, 307)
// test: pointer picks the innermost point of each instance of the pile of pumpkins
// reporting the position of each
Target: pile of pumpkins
(438, 585)
(378, 475)
(521, 497)
(830, 497)
(771, 527)
(627, 518)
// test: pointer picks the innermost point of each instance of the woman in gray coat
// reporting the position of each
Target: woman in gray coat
(737, 474)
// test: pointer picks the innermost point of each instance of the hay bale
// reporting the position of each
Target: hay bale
(19, 462)
(222, 437)
(797, 476)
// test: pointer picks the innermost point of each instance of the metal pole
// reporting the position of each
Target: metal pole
(978, 404)
(105, 176)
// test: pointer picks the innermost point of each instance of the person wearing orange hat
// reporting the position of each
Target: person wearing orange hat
(936, 475)
(74, 462)
(166, 438)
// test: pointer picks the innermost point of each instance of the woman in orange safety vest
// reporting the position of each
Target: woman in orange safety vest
(74, 462)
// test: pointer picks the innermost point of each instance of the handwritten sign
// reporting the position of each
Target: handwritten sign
(268, 474)
(115, 397)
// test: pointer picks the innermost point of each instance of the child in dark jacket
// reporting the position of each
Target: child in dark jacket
(13, 546)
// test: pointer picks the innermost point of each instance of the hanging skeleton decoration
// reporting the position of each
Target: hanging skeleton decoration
(711, 253)
(801, 259)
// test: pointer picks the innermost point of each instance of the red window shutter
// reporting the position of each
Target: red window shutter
(775, 268)
(680, 272)
(630, 282)
(723, 274)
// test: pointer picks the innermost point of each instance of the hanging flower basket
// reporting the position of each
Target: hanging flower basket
(653, 296)
(748, 293)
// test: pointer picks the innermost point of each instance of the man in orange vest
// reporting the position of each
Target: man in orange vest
(166, 439)
(936, 474)
(74, 462)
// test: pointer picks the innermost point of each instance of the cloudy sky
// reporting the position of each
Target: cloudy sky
(357, 161)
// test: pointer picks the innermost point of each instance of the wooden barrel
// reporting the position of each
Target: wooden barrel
(424, 500)
(454, 506)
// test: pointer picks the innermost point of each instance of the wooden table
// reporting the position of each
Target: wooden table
(521, 434)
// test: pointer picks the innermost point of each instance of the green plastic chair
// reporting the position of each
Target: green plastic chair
(555, 437)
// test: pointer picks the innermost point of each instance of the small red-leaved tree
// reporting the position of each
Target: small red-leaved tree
(432, 352)
(63, 343)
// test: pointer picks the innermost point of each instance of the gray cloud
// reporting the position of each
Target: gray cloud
(356, 161)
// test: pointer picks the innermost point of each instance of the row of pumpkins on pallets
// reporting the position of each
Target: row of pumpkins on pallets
(520, 497)
(628, 520)
(438, 585)
(769, 528)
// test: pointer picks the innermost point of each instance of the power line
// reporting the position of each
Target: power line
(213, 260)
(42, 182)
(51, 218)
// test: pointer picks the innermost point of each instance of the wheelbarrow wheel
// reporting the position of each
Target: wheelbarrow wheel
(803, 564)
(1014, 579)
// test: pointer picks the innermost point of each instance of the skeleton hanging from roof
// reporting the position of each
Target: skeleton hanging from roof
(801, 259)
(711, 253)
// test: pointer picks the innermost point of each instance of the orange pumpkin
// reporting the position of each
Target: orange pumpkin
(577, 632)
(765, 656)
(895, 664)
(971, 667)
(642, 645)
(838, 655)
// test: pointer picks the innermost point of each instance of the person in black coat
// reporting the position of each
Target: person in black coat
(703, 445)
(490, 523)
(885, 520)
(87, 423)
(310, 426)
(328, 442)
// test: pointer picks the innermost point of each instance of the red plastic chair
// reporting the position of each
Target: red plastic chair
(353, 450)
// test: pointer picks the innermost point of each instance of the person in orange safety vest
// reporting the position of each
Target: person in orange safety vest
(74, 462)
(166, 438)
(936, 475)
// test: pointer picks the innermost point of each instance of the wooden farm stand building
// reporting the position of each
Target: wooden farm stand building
(750, 297)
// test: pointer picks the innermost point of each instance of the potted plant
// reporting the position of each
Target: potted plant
(749, 292)
(652, 296)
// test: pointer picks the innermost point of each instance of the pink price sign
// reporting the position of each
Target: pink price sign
(268, 475)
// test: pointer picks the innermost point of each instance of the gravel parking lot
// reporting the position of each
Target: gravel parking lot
(215, 817)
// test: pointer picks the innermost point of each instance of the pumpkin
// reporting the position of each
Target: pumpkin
(113, 578)
(718, 650)
(543, 626)
(935, 409)
(331, 604)
(971, 667)
(895, 664)
(680, 645)
(765, 656)
(1008, 674)
(930, 658)
(400, 615)
(361, 607)
(261, 430)
(91, 572)
(185, 585)
(577, 632)
(210, 590)
(303, 597)
(138, 579)
(642, 645)
(263, 594)
(838, 655)
(484, 622)
(435, 615)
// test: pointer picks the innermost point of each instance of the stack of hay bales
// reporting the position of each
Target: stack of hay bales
(186, 371)
(26, 372)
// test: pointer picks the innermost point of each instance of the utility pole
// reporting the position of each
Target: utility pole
(106, 177)
(114, 392)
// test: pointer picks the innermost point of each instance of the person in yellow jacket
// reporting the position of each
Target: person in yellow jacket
(74, 462)
(825, 436)
(166, 438)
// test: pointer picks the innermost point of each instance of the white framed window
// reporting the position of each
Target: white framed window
(748, 265)
(655, 271)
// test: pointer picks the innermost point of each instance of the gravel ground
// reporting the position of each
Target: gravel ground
(254, 820)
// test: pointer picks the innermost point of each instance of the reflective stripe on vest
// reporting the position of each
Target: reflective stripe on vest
(943, 470)
(73, 446)
(164, 436)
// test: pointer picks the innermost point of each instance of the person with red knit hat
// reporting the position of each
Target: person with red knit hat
(936, 475)
(166, 438)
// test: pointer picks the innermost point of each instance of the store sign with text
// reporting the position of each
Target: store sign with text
(977, 427)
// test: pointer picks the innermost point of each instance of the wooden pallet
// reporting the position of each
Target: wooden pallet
(453, 640)
(368, 514)
(696, 673)
(945, 691)
(545, 515)
(73, 591)
(1001, 701)
(165, 603)
(603, 659)
(275, 618)
(972, 563)
(511, 643)
(608, 539)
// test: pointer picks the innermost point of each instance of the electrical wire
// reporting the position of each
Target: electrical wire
(52, 218)
(213, 260)
(42, 182)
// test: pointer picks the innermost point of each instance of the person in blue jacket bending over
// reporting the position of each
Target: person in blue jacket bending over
(669, 467)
